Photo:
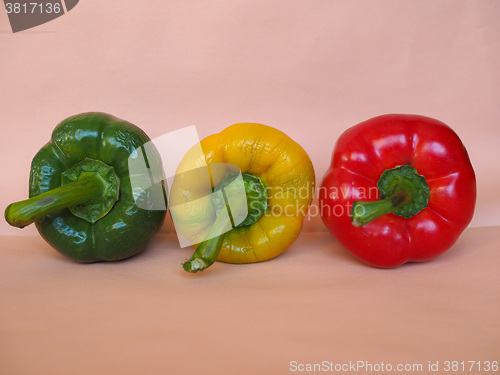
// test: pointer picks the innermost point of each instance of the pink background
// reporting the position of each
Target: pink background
(309, 68)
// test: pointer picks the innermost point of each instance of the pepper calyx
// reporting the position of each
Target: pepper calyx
(99, 206)
(256, 198)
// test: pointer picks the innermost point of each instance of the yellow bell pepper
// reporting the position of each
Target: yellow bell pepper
(279, 182)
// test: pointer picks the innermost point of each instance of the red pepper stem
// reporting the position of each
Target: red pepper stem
(364, 212)
(403, 192)
(23, 213)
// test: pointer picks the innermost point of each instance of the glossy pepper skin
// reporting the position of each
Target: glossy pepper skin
(426, 147)
(279, 163)
(100, 141)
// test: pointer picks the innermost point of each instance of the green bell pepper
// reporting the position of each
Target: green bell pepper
(81, 196)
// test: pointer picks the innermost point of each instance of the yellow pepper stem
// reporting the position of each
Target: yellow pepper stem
(207, 252)
(256, 200)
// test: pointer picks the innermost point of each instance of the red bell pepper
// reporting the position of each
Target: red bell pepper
(400, 188)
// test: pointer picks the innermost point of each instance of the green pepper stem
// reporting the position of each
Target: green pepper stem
(364, 212)
(23, 213)
(207, 252)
